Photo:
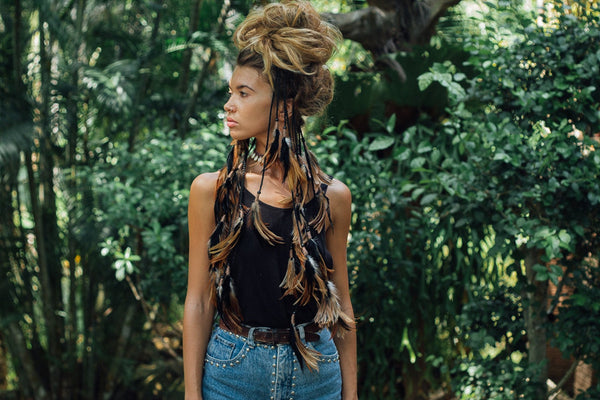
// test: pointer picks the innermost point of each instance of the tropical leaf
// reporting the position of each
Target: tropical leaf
(113, 86)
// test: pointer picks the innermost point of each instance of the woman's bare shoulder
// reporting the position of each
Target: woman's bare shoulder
(205, 183)
(203, 190)
(339, 194)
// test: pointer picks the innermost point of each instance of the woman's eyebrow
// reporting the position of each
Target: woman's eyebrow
(243, 86)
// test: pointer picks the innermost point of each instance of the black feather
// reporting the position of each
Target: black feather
(284, 156)
(230, 160)
(313, 250)
(215, 237)
(309, 172)
(274, 147)
(297, 264)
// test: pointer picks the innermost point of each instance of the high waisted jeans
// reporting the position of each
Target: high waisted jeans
(237, 368)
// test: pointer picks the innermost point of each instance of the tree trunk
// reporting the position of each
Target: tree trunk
(389, 26)
(145, 82)
(121, 347)
(73, 376)
(535, 322)
(198, 83)
(184, 77)
(43, 202)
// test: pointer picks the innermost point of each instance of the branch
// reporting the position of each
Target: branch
(564, 379)
(151, 317)
(556, 298)
(387, 27)
(369, 26)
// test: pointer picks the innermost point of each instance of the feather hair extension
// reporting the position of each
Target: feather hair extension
(284, 155)
(330, 313)
(319, 287)
(309, 281)
(305, 355)
(323, 177)
(292, 281)
(313, 250)
(220, 207)
(294, 342)
(271, 156)
(215, 236)
(296, 174)
(298, 235)
(260, 226)
(229, 161)
(309, 169)
(323, 215)
(214, 274)
(309, 356)
(299, 220)
(220, 251)
(229, 308)
(290, 275)
(218, 277)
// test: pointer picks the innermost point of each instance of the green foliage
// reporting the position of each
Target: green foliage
(141, 201)
(402, 256)
(491, 326)
(447, 213)
(82, 85)
(363, 95)
(447, 206)
(526, 130)
(445, 74)
(577, 330)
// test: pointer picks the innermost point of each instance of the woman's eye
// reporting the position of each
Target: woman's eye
(243, 94)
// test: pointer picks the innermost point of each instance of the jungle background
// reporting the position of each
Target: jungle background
(466, 130)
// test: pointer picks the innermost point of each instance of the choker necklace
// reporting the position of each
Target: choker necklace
(256, 157)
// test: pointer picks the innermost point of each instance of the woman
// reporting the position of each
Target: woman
(268, 232)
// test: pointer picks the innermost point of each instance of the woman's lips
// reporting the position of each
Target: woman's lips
(231, 123)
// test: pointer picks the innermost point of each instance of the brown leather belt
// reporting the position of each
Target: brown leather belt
(275, 336)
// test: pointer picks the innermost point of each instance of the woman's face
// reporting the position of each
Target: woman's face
(248, 105)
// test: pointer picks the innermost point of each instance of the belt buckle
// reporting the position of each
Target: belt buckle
(270, 338)
(265, 336)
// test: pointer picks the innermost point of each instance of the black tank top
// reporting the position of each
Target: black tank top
(258, 268)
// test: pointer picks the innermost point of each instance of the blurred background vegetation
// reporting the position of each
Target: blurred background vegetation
(466, 130)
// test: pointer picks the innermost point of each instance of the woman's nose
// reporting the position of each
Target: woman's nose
(228, 107)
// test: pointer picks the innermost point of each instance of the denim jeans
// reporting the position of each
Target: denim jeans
(237, 368)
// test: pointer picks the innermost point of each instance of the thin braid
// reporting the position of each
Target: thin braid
(264, 166)
(255, 214)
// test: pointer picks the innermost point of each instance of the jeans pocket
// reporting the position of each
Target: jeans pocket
(225, 347)
(220, 348)
(325, 346)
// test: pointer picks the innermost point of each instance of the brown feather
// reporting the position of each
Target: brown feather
(310, 356)
(261, 227)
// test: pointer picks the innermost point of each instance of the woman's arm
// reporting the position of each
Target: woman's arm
(198, 311)
(340, 201)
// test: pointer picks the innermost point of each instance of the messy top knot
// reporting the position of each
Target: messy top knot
(290, 38)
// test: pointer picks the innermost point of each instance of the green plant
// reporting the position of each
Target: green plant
(526, 132)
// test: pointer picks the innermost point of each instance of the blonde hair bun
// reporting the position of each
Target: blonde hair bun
(292, 36)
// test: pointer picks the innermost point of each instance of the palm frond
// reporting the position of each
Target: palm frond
(112, 86)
